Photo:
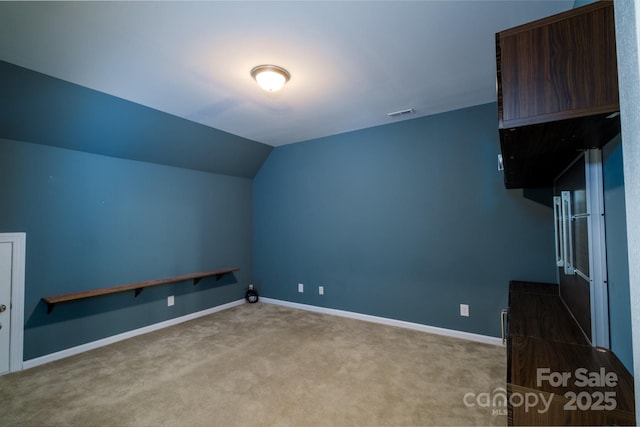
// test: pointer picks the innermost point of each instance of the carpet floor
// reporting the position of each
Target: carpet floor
(263, 365)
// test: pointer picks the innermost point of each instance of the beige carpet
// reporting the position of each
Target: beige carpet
(262, 365)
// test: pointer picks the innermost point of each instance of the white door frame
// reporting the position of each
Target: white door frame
(18, 241)
(597, 250)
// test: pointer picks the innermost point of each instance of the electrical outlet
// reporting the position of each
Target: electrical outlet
(464, 310)
(321, 290)
(170, 301)
(300, 287)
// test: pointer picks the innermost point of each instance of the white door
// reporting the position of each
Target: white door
(12, 274)
(6, 258)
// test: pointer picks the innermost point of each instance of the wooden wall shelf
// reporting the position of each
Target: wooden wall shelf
(137, 287)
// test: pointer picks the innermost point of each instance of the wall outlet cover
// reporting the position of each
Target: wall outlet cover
(170, 301)
(300, 287)
(464, 310)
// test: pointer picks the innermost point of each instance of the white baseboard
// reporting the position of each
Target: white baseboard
(391, 322)
(32, 363)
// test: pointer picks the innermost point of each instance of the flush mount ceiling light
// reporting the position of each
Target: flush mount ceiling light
(270, 77)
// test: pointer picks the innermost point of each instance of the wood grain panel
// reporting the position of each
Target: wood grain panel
(556, 66)
(542, 316)
(535, 155)
(530, 354)
(544, 336)
(557, 87)
(516, 286)
(560, 413)
(575, 292)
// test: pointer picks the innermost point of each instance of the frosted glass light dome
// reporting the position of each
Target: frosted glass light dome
(270, 77)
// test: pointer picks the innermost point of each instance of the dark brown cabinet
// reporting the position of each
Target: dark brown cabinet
(557, 90)
(554, 376)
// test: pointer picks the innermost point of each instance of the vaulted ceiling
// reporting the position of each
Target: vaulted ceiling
(351, 62)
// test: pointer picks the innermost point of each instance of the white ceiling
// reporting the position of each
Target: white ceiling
(351, 63)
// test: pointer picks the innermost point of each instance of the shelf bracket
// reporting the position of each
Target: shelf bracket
(218, 276)
(137, 291)
(50, 306)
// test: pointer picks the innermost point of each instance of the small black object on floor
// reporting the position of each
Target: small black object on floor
(252, 295)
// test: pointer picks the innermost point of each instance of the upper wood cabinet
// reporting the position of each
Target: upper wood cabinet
(557, 87)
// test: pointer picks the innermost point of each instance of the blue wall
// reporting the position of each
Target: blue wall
(38, 108)
(75, 178)
(95, 221)
(405, 221)
(579, 3)
(617, 254)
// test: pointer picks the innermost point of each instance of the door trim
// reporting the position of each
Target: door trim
(18, 240)
(597, 249)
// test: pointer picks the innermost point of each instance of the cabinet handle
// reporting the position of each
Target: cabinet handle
(558, 230)
(567, 234)
(503, 324)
